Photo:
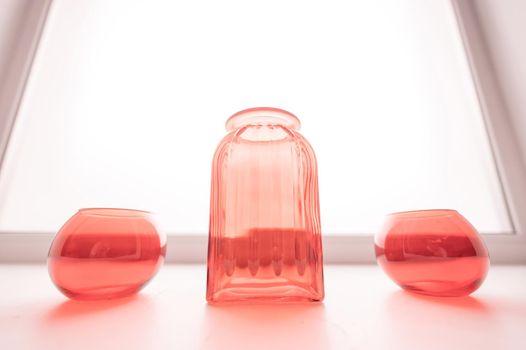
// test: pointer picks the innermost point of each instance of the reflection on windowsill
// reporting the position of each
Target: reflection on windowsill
(427, 321)
(70, 309)
(467, 304)
(266, 326)
(175, 317)
(91, 324)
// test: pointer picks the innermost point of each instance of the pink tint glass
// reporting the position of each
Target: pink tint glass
(265, 240)
(434, 252)
(103, 253)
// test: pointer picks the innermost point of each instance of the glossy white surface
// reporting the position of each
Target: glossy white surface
(362, 310)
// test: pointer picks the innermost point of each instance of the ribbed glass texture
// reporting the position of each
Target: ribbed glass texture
(265, 239)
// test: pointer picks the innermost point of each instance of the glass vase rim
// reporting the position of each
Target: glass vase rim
(262, 116)
(114, 212)
(423, 213)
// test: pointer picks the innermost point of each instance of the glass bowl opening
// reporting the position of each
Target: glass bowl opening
(424, 213)
(114, 212)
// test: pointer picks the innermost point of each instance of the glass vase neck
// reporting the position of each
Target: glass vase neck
(263, 116)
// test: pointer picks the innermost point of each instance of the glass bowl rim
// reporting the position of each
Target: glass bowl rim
(423, 213)
(114, 212)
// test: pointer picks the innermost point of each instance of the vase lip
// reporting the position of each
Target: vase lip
(420, 213)
(114, 212)
(263, 116)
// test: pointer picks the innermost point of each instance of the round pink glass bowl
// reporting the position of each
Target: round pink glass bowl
(106, 253)
(434, 252)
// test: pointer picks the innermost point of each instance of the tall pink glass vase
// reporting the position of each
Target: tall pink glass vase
(265, 239)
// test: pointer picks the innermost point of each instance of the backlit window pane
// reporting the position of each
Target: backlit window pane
(127, 101)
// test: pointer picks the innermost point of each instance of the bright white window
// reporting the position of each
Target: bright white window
(127, 101)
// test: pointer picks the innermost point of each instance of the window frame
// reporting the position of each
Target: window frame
(32, 247)
(503, 138)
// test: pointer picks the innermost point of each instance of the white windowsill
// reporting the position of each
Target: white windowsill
(23, 248)
(363, 309)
